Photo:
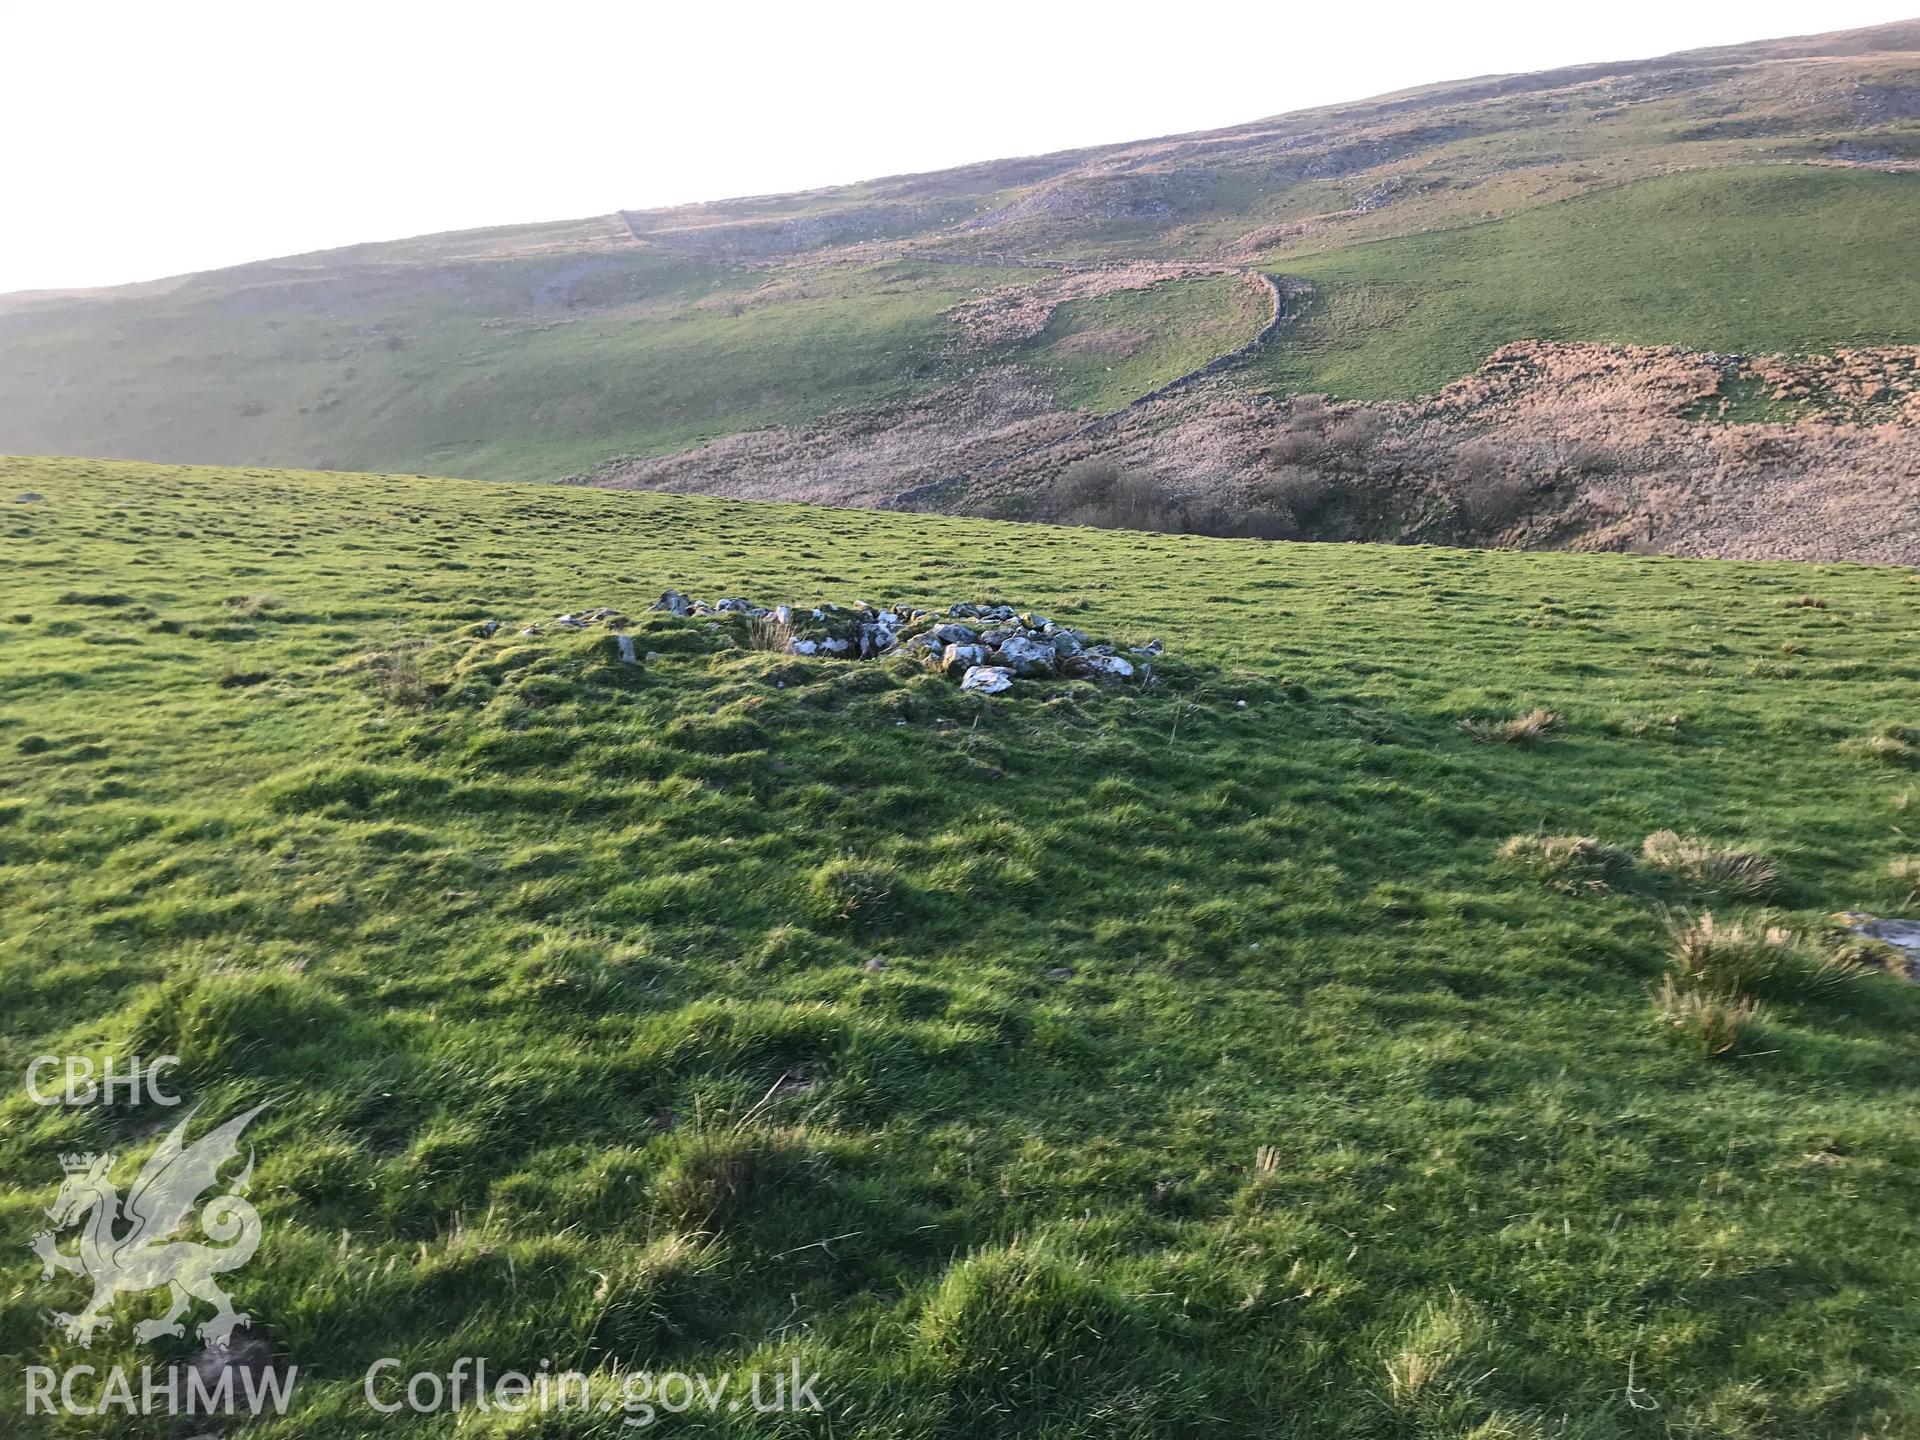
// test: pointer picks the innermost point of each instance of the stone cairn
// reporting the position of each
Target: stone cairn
(985, 647)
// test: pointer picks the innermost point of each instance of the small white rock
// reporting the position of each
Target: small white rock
(987, 679)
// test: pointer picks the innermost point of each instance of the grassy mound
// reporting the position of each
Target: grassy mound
(1762, 259)
(1084, 1062)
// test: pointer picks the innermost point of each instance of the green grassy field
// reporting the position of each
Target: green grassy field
(555, 971)
(1755, 260)
(1100, 354)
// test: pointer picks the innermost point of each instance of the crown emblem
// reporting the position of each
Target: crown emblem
(77, 1164)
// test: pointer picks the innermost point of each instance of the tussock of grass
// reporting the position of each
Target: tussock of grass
(767, 632)
(1890, 745)
(717, 1182)
(1574, 864)
(852, 891)
(1530, 728)
(1748, 958)
(1718, 1024)
(1710, 869)
(1435, 1358)
(1904, 871)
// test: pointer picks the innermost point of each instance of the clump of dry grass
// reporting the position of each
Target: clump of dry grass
(396, 675)
(768, 632)
(249, 606)
(1747, 958)
(402, 684)
(1716, 870)
(1572, 864)
(1531, 728)
(1904, 871)
(1807, 602)
(1890, 745)
(1434, 1362)
(1716, 1023)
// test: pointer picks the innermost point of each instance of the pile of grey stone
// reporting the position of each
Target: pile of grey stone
(985, 647)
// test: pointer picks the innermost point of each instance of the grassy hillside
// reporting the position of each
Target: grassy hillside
(540, 351)
(534, 369)
(1177, 1060)
(1755, 260)
(526, 368)
(1101, 353)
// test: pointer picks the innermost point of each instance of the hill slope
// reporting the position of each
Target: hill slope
(1759, 260)
(1133, 1060)
(544, 351)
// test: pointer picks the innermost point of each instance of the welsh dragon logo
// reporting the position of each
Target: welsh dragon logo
(143, 1255)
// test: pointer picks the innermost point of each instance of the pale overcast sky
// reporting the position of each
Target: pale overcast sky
(149, 137)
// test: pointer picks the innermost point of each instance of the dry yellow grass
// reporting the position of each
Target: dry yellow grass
(1718, 870)
(1529, 728)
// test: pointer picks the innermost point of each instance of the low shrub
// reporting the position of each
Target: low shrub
(1590, 457)
(1303, 495)
(1488, 493)
(1296, 447)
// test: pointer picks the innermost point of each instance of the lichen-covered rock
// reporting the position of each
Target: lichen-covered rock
(987, 680)
(673, 602)
(1024, 657)
(956, 660)
(1101, 667)
(624, 644)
